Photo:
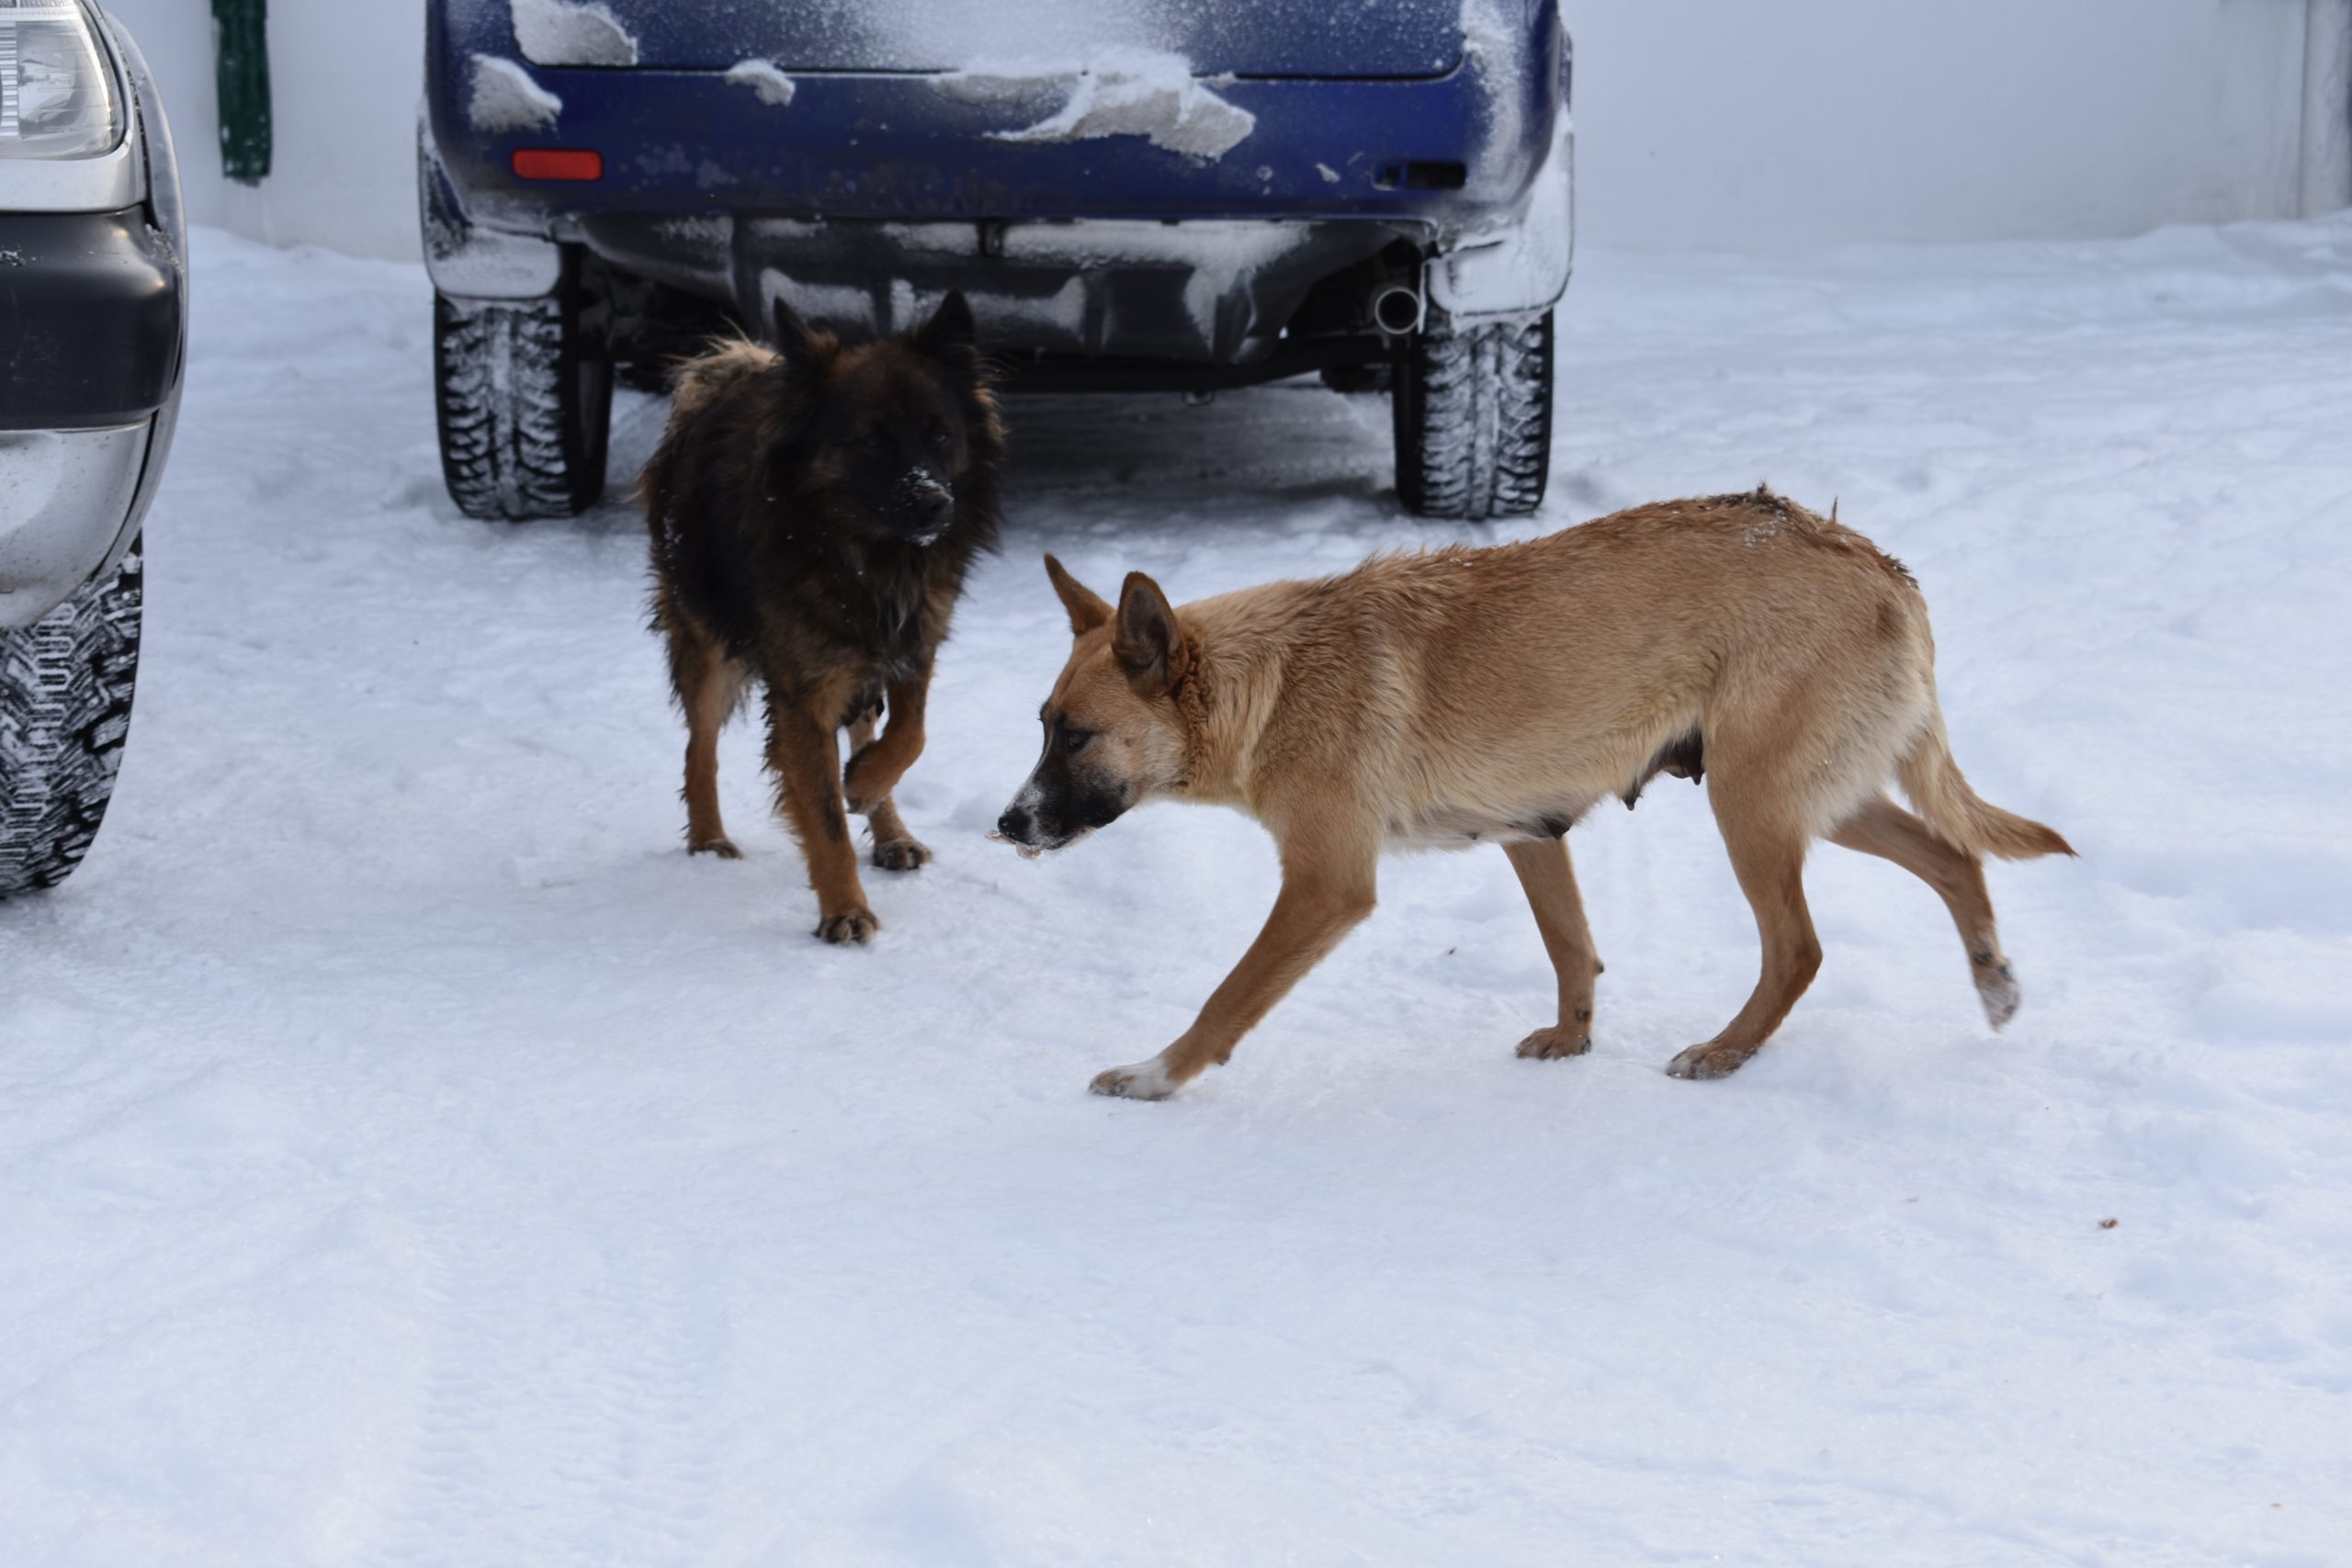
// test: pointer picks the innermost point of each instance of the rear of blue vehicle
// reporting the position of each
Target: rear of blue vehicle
(1131, 194)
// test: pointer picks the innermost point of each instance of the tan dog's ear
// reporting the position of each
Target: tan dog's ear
(1086, 607)
(1150, 645)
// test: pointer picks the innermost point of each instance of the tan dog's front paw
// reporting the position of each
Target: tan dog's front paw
(901, 854)
(849, 926)
(723, 848)
(1709, 1061)
(1997, 988)
(1144, 1080)
(1546, 1043)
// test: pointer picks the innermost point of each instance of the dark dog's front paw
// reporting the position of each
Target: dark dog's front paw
(901, 854)
(849, 926)
(1546, 1043)
(867, 780)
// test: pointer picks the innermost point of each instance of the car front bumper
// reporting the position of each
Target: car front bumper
(93, 346)
(92, 324)
(63, 497)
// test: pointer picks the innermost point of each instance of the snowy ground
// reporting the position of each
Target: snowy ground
(409, 1155)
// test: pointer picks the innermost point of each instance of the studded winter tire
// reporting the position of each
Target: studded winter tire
(1473, 414)
(65, 686)
(525, 397)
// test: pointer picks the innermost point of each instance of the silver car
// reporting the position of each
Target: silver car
(93, 341)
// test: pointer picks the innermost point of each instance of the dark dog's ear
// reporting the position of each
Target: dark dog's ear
(950, 329)
(1087, 608)
(793, 338)
(1149, 645)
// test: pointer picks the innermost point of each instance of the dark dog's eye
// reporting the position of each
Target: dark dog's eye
(1076, 739)
(936, 434)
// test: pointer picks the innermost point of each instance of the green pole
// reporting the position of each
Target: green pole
(240, 49)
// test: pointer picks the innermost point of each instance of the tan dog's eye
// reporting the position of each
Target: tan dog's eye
(1076, 739)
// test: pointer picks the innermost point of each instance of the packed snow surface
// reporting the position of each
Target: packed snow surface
(408, 1155)
(763, 77)
(1116, 92)
(506, 98)
(557, 32)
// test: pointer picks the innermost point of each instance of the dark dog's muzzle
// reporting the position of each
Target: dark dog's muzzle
(928, 505)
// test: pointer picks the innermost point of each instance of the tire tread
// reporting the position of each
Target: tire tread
(66, 684)
(1474, 419)
(510, 450)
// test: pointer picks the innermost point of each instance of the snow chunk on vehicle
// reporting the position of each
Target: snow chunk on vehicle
(763, 77)
(506, 98)
(1495, 41)
(1121, 91)
(562, 32)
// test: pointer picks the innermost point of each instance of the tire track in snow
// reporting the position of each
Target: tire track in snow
(562, 1408)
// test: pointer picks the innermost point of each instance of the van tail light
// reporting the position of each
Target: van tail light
(557, 164)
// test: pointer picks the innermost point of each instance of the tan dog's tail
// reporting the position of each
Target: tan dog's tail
(1958, 813)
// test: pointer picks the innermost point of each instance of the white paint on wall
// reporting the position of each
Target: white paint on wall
(1700, 122)
(2327, 105)
(346, 77)
(1728, 123)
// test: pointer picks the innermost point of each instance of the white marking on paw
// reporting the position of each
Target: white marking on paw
(1144, 1080)
(2002, 996)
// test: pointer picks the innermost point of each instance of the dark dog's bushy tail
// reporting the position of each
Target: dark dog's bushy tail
(1936, 786)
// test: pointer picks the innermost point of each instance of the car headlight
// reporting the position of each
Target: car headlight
(58, 97)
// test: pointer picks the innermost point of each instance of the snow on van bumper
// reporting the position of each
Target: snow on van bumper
(467, 260)
(1445, 151)
(1522, 268)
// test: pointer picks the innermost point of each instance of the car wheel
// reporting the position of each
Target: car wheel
(1473, 411)
(65, 686)
(525, 400)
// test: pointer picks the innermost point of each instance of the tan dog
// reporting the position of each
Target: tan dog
(1436, 699)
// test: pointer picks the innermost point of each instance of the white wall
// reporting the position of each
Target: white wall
(1730, 122)
(345, 78)
(1723, 123)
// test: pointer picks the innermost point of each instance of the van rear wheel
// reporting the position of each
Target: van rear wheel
(524, 392)
(1473, 416)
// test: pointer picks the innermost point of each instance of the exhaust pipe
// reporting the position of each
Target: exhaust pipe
(1396, 308)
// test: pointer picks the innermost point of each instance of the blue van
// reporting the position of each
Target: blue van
(1133, 194)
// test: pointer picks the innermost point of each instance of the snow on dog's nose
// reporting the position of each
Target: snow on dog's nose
(931, 504)
(1019, 825)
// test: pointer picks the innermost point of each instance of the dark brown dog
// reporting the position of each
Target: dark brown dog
(813, 510)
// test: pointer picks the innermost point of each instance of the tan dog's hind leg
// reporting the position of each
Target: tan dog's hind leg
(807, 762)
(1768, 856)
(1885, 829)
(895, 849)
(708, 685)
(1326, 890)
(1548, 875)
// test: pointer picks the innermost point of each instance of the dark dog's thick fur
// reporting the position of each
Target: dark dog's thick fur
(813, 509)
